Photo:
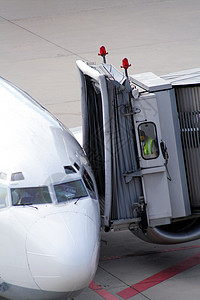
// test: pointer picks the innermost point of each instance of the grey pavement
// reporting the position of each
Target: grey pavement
(40, 43)
(126, 260)
(42, 39)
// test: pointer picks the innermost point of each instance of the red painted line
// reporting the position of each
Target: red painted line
(160, 277)
(150, 252)
(102, 292)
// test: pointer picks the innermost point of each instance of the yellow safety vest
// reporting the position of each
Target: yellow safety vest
(148, 146)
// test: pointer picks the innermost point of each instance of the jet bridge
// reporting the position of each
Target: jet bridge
(141, 136)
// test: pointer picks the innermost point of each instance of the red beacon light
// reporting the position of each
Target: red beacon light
(125, 65)
(103, 53)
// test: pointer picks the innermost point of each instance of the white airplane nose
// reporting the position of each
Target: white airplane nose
(62, 251)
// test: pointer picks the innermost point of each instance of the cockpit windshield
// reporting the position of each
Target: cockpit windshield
(70, 190)
(29, 196)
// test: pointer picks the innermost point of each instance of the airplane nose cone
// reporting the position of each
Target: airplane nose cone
(62, 251)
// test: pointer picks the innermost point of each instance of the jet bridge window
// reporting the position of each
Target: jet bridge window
(70, 190)
(148, 140)
(29, 196)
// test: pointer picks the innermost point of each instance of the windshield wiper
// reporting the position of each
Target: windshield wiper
(26, 204)
(77, 200)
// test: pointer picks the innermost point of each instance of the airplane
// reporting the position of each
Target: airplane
(49, 208)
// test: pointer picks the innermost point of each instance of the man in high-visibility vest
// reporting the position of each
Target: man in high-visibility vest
(148, 145)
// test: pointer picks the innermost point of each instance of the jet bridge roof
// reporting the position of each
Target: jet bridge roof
(153, 83)
(150, 82)
(186, 77)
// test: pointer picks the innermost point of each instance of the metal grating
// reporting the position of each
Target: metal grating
(188, 104)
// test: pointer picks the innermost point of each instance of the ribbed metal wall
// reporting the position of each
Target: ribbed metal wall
(124, 155)
(123, 151)
(94, 142)
(188, 104)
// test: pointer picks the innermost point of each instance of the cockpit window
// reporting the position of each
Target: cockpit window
(70, 190)
(89, 183)
(69, 170)
(3, 197)
(29, 196)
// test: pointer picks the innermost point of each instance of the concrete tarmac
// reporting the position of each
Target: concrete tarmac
(133, 269)
(42, 39)
(40, 43)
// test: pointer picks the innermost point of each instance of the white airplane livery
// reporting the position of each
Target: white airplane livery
(49, 208)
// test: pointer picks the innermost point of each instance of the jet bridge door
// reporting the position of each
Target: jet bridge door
(152, 163)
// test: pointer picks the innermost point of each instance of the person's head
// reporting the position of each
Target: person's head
(142, 136)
